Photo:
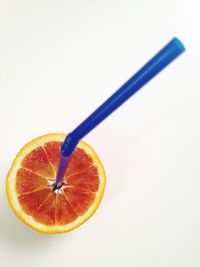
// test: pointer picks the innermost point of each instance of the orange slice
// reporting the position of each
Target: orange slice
(30, 181)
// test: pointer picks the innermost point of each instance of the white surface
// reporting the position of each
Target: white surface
(58, 61)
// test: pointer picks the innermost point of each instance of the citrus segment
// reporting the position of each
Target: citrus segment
(87, 180)
(45, 214)
(64, 211)
(79, 162)
(37, 161)
(27, 181)
(32, 201)
(79, 200)
(52, 150)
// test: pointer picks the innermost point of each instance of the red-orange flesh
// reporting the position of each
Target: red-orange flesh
(34, 185)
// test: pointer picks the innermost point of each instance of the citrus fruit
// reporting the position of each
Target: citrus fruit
(29, 185)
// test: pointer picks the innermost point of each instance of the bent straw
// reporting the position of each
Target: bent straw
(165, 56)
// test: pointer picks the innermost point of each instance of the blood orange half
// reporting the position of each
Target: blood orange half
(30, 182)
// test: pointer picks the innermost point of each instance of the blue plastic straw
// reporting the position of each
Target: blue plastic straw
(166, 55)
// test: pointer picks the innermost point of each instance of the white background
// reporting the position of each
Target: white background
(59, 60)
